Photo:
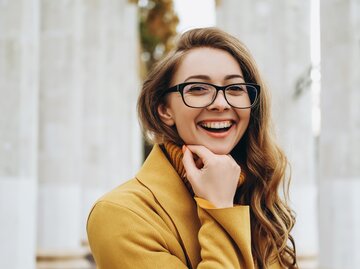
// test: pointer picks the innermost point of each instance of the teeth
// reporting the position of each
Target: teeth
(216, 124)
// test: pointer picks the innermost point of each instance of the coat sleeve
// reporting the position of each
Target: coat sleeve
(224, 231)
(120, 238)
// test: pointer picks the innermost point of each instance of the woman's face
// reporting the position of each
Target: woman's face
(218, 127)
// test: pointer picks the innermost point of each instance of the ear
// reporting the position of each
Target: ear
(165, 115)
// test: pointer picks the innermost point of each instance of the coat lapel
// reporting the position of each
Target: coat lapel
(160, 177)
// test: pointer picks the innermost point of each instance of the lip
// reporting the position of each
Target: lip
(215, 120)
(217, 135)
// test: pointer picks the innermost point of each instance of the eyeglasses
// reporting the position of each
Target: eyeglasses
(201, 94)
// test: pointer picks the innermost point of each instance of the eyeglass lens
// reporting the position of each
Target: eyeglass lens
(202, 95)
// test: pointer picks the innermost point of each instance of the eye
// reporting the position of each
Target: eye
(197, 89)
(236, 90)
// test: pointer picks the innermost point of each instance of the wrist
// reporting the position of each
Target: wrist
(204, 203)
(223, 205)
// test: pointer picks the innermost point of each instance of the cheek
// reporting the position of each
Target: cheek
(185, 116)
(185, 122)
(244, 122)
(248, 115)
(244, 116)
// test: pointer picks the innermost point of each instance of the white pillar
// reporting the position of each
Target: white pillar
(60, 136)
(111, 135)
(89, 135)
(19, 37)
(340, 135)
(278, 35)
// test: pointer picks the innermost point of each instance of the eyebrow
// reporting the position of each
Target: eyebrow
(205, 77)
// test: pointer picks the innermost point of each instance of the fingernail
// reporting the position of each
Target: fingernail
(183, 148)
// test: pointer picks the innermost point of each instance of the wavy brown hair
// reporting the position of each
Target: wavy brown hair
(263, 161)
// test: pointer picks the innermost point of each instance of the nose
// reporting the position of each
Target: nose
(220, 103)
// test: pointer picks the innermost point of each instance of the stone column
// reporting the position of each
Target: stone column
(60, 132)
(19, 38)
(112, 147)
(278, 35)
(340, 135)
(89, 136)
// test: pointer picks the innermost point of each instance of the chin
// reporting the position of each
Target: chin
(220, 150)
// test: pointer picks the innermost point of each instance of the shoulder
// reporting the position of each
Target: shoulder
(131, 196)
(127, 205)
(129, 211)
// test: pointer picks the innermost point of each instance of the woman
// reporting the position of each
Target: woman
(207, 195)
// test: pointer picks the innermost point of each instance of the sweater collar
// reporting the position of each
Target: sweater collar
(175, 156)
(160, 177)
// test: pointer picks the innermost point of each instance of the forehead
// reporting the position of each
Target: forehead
(211, 62)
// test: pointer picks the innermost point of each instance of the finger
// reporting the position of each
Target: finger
(189, 163)
(232, 158)
(198, 162)
(202, 152)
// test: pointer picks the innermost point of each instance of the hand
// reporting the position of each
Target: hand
(217, 180)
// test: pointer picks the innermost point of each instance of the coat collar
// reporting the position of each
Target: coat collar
(160, 177)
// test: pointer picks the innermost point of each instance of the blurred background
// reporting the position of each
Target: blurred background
(70, 74)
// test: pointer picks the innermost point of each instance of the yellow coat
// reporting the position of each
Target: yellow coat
(152, 221)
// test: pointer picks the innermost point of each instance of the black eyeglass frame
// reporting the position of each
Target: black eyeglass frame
(180, 88)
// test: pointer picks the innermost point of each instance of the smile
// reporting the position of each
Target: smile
(216, 126)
